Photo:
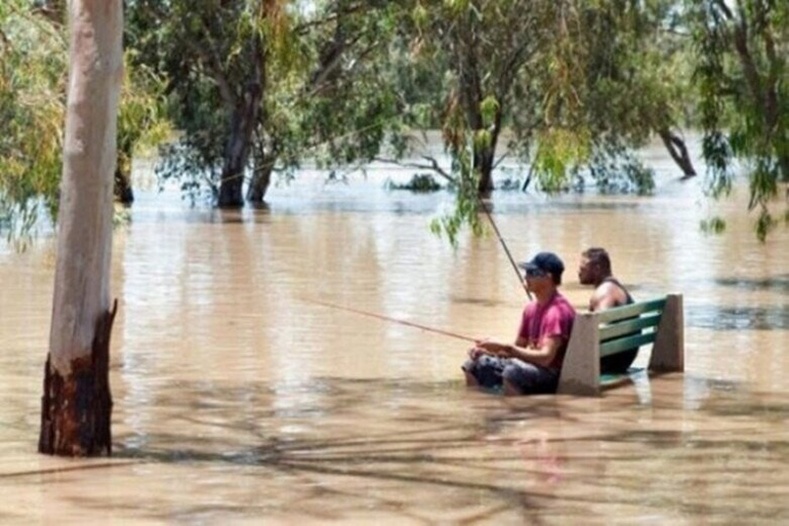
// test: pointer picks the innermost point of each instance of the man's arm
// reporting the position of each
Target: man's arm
(542, 355)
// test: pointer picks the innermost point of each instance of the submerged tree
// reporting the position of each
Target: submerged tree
(477, 70)
(489, 54)
(214, 57)
(570, 88)
(742, 71)
(636, 79)
(76, 404)
(257, 85)
(142, 122)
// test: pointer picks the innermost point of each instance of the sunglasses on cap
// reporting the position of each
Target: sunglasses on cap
(535, 273)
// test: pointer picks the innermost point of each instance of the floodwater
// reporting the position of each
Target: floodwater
(241, 397)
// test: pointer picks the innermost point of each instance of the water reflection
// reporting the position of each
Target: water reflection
(778, 283)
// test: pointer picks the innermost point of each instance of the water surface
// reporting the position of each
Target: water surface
(241, 398)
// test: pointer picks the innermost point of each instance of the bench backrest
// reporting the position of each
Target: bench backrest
(629, 326)
(597, 334)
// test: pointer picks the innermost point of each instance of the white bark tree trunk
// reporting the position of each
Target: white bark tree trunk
(76, 404)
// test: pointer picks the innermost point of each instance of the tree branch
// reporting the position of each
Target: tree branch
(331, 56)
(724, 8)
(432, 166)
(500, 160)
(773, 67)
(213, 63)
(332, 17)
(752, 76)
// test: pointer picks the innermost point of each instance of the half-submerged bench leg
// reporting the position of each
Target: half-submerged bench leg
(581, 367)
(668, 351)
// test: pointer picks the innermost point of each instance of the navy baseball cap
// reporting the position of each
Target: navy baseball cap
(546, 262)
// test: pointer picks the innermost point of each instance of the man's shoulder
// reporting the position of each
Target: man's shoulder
(561, 302)
(610, 293)
(608, 286)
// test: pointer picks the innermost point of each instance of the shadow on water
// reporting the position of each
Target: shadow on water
(471, 450)
(241, 428)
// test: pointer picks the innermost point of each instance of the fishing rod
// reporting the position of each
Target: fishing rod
(504, 245)
(396, 320)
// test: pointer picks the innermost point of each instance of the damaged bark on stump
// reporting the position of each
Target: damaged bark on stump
(76, 411)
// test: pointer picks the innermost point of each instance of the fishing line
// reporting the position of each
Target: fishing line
(504, 245)
(395, 320)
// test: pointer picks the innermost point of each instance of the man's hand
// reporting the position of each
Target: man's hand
(492, 348)
(475, 352)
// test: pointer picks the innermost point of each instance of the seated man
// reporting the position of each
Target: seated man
(595, 269)
(533, 363)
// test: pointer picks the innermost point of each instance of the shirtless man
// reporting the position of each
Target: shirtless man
(595, 269)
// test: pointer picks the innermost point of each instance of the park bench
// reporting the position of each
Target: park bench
(597, 334)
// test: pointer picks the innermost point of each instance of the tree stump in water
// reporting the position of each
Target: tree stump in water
(76, 410)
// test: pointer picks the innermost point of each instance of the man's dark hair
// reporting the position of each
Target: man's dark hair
(598, 256)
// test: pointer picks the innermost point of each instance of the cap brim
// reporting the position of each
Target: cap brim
(528, 265)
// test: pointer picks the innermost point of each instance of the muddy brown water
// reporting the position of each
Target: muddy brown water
(239, 399)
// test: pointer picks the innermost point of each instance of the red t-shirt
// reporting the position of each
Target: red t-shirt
(554, 319)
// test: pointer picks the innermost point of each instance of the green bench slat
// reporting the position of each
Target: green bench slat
(625, 327)
(630, 311)
(622, 344)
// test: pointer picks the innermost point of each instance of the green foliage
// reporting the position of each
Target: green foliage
(615, 169)
(207, 53)
(33, 71)
(325, 89)
(558, 151)
(714, 225)
(464, 67)
(718, 154)
(631, 82)
(32, 105)
(575, 87)
(421, 183)
(466, 180)
(142, 123)
(185, 163)
(346, 108)
(741, 71)
(635, 74)
(193, 161)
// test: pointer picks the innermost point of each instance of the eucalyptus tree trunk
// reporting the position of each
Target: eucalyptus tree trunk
(470, 89)
(678, 150)
(483, 164)
(242, 127)
(470, 68)
(261, 177)
(77, 404)
(485, 159)
(243, 121)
